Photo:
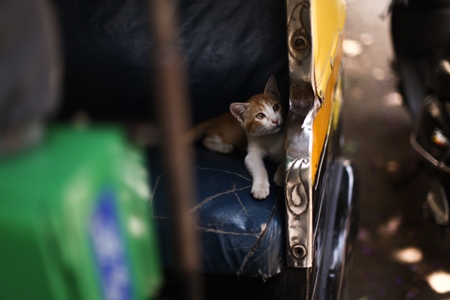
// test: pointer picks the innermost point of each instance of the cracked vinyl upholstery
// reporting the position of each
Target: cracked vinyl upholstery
(239, 235)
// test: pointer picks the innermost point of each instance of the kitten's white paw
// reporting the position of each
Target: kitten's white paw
(278, 178)
(261, 190)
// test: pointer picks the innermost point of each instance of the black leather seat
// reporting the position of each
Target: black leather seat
(231, 49)
(239, 235)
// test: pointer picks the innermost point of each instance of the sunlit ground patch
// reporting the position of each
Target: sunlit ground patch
(352, 48)
(410, 255)
(439, 282)
(390, 227)
(393, 99)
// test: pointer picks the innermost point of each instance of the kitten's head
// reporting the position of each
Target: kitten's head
(262, 113)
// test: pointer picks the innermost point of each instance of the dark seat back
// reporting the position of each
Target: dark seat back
(231, 49)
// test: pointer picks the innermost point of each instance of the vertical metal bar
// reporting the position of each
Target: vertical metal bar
(299, 137)
(172, 98)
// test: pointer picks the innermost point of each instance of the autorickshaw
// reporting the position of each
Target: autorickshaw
(100, 200)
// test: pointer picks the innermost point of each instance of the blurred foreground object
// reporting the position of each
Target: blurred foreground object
(172, 101)
(74, 220)
(74, 208)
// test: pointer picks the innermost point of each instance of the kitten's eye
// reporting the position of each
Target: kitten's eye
(260, 116)
(276, 107)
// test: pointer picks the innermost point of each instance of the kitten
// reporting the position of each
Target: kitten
(254, 126)
(261, 119)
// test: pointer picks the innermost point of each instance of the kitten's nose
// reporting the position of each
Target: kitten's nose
(275, 121)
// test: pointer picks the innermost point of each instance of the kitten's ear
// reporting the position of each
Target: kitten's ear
(238, 110)
(271, 87)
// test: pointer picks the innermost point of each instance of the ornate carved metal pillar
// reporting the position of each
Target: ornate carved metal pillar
(298, 180)
(315, 36)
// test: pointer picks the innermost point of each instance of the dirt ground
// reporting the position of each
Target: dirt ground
(397, 253)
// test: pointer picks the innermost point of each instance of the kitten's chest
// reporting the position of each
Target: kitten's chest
(275, 146)
(271, 146)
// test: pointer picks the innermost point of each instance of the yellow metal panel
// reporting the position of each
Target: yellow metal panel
(327, 25)
(327, 116)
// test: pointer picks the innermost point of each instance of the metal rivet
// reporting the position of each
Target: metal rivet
(299, 251)
(298, 41)
(321, 95)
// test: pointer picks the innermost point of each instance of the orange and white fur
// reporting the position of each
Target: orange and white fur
(254, 126)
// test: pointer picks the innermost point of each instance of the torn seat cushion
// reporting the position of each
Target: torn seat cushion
(239, 235)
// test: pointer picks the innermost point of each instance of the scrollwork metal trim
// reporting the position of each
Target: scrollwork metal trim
(299, 38)
(297, 186)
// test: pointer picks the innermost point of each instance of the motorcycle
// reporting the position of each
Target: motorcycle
(420, 34)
